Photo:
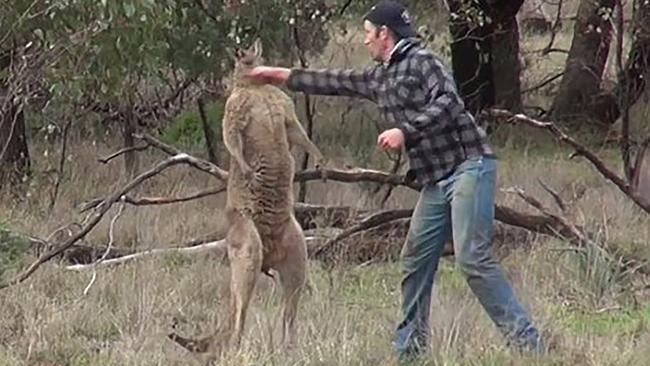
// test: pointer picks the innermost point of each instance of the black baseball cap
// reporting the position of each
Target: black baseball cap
(393, 15)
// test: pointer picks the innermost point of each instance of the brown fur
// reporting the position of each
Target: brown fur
(259, 127)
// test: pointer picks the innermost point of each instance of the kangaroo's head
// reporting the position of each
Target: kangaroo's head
(247, 59)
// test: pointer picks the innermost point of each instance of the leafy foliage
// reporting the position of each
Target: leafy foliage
(13, 249)
(186, 130)
(107, 48)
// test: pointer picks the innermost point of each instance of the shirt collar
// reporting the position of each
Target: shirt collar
(400, 49)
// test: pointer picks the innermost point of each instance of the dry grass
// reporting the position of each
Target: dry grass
(581, 299)
(349, 317)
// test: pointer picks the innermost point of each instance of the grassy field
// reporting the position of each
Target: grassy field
(580, 299)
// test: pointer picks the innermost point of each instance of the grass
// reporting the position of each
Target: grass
(580, 299)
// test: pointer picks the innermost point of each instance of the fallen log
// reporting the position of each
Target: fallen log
(546, 223)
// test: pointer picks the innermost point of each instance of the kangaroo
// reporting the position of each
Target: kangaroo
(260, 126)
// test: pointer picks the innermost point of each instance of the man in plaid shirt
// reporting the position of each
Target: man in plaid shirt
(448, 154)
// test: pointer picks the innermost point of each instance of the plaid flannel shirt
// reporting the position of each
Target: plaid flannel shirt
(417, 94)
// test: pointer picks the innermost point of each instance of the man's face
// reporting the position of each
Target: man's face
(376, 40)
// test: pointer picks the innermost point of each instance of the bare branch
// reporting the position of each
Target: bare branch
(106, 159)
(543, 83)
(200, 164)
(93, 265)
(372, 221)
(218, 245)
(96, 216)
(148, 201)
(568, 230)
(556, 197)
(580, 149)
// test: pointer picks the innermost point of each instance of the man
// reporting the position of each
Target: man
(448, 154)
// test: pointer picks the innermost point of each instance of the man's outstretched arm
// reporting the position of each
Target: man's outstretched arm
(322, 81)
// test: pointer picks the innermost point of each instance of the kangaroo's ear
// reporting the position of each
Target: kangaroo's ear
(256, 49)
(235, 53)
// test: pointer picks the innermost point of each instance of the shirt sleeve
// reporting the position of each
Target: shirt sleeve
(443, 103)
(334, 82)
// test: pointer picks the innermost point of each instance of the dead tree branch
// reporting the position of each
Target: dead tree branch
(569, 231)
(622, 185)
(200, 164)
(106, 159)
(111, 231)
(556, 197)
(152, 201)
(217, 245)
(543, 83)
(372, 221)
(97, 215)
(202, 248)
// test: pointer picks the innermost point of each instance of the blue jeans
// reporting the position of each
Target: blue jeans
(460, 206)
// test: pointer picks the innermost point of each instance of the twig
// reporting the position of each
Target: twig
(556, 197)
(368, 223)
(106, 159)
(543, 83)
(554, 29)
(96, 216)
(569, 230)
(200, 164)
(344, 7)
(108, 249)
(148, 201)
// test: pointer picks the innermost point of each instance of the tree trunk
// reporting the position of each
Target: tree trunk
(128, 129)
(580, 86)
(14, 158)
(14, 154)
(208, 133)
(471, 56)
(485, 53)
(302, 186)
(506, 69)
(637, 67)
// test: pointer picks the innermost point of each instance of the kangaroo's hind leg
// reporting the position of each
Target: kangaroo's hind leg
(245, 255)
(293, 273)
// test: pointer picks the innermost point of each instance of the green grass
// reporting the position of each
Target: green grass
(618, 321)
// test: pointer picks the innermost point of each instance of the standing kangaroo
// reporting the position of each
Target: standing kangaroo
(259, 127)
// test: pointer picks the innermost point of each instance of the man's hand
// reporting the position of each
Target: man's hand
(391, 139)
(270, 75)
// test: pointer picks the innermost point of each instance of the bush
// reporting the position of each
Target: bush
(13, 249)
(186, 130)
